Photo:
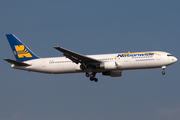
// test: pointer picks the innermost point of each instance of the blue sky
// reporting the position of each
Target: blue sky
(90, 27)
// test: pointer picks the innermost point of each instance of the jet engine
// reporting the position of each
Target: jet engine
(116, 73)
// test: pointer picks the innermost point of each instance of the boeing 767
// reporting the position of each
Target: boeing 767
(107, 64)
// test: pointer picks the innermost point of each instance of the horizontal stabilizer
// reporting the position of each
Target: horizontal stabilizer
(16, 62)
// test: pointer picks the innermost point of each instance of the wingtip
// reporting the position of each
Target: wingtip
(56, 47)
(5, 59)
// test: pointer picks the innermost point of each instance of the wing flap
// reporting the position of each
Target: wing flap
(16, 62)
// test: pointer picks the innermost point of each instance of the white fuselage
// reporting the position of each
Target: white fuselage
(110, 62)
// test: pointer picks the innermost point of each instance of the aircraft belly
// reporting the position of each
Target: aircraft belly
(66, 68)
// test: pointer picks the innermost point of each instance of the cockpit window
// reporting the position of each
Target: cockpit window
(169, 55)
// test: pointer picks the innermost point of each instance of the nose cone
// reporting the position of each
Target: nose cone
(174, 59)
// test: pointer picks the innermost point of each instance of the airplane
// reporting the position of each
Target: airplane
(72, 62)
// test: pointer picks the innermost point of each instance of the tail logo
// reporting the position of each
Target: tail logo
(21, 51)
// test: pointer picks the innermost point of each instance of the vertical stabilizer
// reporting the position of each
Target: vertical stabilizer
(20, 50)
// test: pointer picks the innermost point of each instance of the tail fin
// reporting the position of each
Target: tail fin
(20, 50)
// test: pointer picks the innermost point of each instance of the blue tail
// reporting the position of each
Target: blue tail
(20, 50)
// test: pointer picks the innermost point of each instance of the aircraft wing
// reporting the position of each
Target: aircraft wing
(16, 62)
(78, 58)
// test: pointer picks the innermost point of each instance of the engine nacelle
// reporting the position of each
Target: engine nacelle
(108, 65)
(116, 73)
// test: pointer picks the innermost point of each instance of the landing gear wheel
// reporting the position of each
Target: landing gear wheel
(163, 73)
(87, 75)
(163, 68)
(91, 78)
(93, 74)
(95, 80)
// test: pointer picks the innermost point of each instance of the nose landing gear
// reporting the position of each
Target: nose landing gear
(163, 68)
(92, 76)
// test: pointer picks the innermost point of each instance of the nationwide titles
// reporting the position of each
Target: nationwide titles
(143, 54)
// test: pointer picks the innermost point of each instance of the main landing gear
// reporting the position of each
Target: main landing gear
(163, 68)
(92, 76)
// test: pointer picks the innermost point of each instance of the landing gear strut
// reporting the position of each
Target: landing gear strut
(92, 76)
(163, 68)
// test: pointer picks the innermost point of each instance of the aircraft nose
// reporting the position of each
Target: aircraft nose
(175, 59)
